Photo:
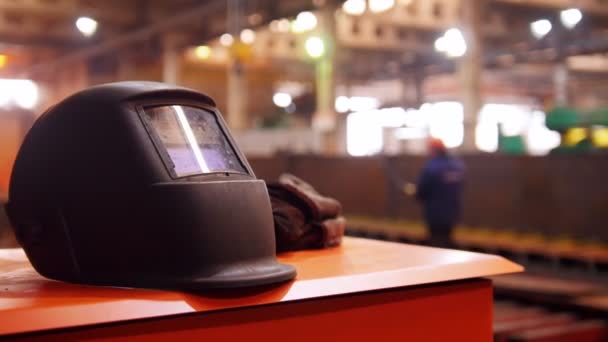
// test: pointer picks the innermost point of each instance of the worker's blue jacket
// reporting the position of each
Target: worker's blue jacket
(439, 190)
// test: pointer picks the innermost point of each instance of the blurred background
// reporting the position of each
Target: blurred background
(345, 95)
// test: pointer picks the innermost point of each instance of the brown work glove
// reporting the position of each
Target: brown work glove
(303, 218)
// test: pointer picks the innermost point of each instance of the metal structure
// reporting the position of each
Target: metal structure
(394, 44)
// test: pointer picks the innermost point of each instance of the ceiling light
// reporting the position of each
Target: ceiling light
(354, 7)
(202, 52)
(23, 93)
(305, 21)
(26, 94)
(315, 47)
(452, 43)
(571, 17)
(378, 6)
(226, 39)
(282, 100)
(247, 36)
(5, 92)
(363, 103)
(274, 26)
(441, 44)
(87, 26)
(341, 104)
(540, 28)
(283, 25)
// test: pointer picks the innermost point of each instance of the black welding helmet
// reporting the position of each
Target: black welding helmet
(140, 184)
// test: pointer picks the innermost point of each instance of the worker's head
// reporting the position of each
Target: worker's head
(437, 147)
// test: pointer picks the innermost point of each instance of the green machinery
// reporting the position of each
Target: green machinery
(581, 131)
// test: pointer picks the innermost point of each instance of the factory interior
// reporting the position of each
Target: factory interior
(346, 95)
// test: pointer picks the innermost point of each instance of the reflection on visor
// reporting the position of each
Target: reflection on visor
(185, 125)
(193, 140)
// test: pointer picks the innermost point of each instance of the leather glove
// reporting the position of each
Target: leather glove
(303, 218)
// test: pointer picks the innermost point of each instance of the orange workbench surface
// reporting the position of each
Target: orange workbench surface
(30, 303)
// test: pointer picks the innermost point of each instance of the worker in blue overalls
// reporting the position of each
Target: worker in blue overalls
(439, 190)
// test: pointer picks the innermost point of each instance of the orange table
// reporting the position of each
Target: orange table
(362, 290)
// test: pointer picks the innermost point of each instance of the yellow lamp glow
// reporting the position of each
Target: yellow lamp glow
(202, 52)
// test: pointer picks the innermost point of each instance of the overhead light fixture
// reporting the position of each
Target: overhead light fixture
(274, 26)
(364, 135)
(364, 129)
(410, 133)
(305, 21)
(248, 36)
(345, 104)
(452, 43)
(378, 6)
(354, 7)
(540, 28)
(571, 17)
(315, 47)
(445, 122)
(202, 52)
(86, 25)
(23, 93)
(279, 25)
(226, 39)
(441, 44)
(282, 100)
(486, 136)
(342, 104)
(5, 97)
(363, 103)
(26, 93)
(283, 25)
(3, 60)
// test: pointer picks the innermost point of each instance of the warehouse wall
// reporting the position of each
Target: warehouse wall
(556, 195)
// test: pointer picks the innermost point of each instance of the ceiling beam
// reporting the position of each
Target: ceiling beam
(109, 11)
(147, 32)
(30, 28)
(175, 22)
(13, 38)
(598, 7)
